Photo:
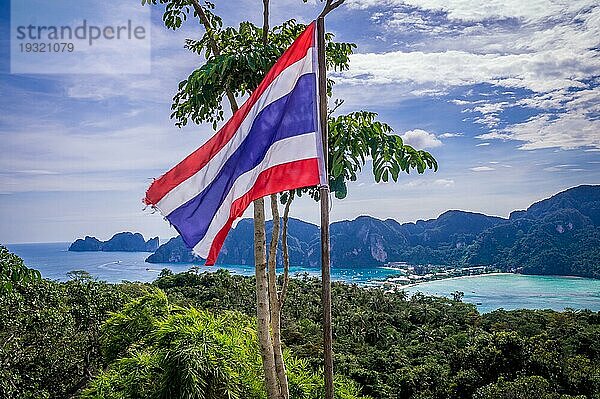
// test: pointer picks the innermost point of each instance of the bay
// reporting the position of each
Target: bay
(488, 292)
(517, 291)
(54, 261)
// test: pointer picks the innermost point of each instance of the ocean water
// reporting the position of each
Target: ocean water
(488, 292)
(54, 260)
(516, 291)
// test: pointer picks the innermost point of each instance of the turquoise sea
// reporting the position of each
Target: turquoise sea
(517, 291)
(488, 292)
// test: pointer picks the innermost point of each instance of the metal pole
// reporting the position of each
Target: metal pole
(324, 194)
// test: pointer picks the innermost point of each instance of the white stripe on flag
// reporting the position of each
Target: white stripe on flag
(283, 84)
(291, 149)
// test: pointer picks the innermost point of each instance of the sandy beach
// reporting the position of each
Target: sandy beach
(447, 278)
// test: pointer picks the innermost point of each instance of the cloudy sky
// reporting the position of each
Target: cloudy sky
(504, 93)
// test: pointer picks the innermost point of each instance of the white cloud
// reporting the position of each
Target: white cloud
(36, 172)
(444, 182)
(491, 108)
(70, 183)
(429, 92)
(482, 145)
(560, 168)
(476, 10)
(566, 131)
(103, 56)
(420, 183)
(488, 120)
(79, 160)
(549, 49)
(421, 139)
(564, 168)
(460, 102)
(450, 135)
(540, 72)
(170, 65)
(482, 169)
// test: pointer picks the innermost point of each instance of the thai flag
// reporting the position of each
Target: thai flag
(271, 144)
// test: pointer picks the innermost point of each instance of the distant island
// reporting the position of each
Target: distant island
(124, 242)
(556, 236)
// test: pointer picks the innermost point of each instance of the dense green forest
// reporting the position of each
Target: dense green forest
(192, 336)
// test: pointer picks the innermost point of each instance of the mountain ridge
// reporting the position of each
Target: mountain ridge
(556, 235)
(124, 241)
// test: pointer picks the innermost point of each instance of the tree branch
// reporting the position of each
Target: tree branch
(214, 47)
(337, 103)
(265, 22)
(272, 261)
(330, 5)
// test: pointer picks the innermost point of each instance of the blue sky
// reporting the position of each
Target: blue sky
(505, 94)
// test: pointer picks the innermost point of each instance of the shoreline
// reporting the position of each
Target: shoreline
(400, 286)
(415, 284)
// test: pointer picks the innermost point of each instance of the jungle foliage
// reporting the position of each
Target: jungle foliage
(190, 331)
(158, 350)
(13, 271)
(423, 347)
(50, 334)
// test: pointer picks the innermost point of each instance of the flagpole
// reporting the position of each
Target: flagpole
(324, 195)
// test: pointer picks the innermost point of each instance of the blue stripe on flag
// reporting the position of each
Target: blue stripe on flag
(291, 115)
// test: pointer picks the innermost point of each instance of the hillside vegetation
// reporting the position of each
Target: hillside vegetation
(192, 336)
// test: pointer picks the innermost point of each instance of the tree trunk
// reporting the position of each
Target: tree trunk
(285, 250)
(271, 295)
(263, 311)
(274, 299)
(263, 315)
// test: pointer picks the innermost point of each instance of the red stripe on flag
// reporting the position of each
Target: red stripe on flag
(279, 178)
(199, 158)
